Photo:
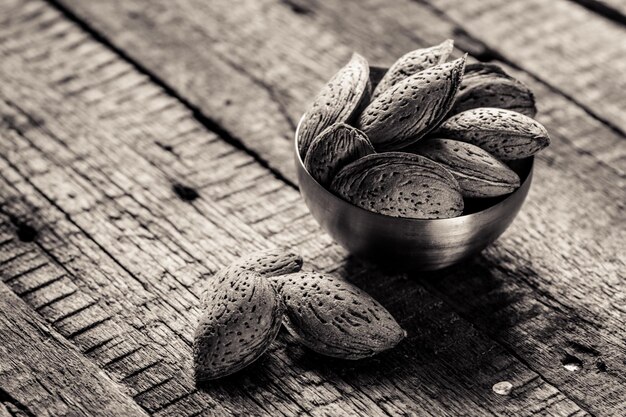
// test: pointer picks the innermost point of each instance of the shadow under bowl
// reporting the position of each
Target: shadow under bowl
(413, 244)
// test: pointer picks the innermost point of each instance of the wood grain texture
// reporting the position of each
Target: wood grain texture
(285, 53)
(584, 164)
(33, 383)
(98, 240)
(573, 49)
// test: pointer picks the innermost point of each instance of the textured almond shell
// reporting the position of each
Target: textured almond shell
(334, 317)
(404, 113)
(269, 262)
(333, 149)
(400, 184)
(487, 85)
(412, 63)
(242, 317)
(478, 173)
(503, 133)
(338, 101)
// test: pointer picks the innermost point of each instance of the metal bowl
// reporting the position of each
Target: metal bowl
(413, 244)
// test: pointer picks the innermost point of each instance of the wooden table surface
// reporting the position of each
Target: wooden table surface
(146, 144)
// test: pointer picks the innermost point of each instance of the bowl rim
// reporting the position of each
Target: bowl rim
(460, 219)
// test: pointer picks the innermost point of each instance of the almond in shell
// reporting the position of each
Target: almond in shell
(338, 101)
(269, 262)
(478, 173)
(334, 317)
(404, 113)
(487, 85)
(242, 317)
(333, 149)
(412, 63)
(505, 134)
(400, 184)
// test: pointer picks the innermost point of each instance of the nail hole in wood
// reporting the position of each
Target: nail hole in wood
(571, 363)
(296, 8)
(26, 233)
(184, 192)
(164, 146)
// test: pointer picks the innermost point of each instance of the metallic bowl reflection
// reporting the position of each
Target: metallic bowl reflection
(413, 244)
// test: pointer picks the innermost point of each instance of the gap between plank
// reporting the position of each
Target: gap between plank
(603, 9)
(490, 54)
(209, 123)
(5, 398)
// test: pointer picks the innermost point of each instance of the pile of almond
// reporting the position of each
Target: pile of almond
(246, 303)
(423, 139)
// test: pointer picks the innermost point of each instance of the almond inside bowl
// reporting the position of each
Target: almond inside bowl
(416, 244)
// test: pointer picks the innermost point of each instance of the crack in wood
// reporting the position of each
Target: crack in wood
(270, 91)
(604, 9)
(488, 54)
(90, 326)
(297, 7)
(5, 397)
(34, 375)
(55, 300)
(209, 123)
(40, 286)
(25, 272)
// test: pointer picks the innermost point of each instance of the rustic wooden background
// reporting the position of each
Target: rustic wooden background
(145, 144)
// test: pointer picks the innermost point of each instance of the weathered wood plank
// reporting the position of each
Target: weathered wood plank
(584, 163)
(130, 348)
(219, 84)
(573, 49)
(573, 116)
(42, 374)
(121, 318)
(89, 167)
(258, 102)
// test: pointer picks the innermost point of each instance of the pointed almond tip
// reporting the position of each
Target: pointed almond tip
(340, 125)
(543, 137)
(198, 378)
(399, 335)
(462, 62)
(447, 44)
(358, 57)
(333, 129)
(544, 140)
(459, 62)
(201, 375)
